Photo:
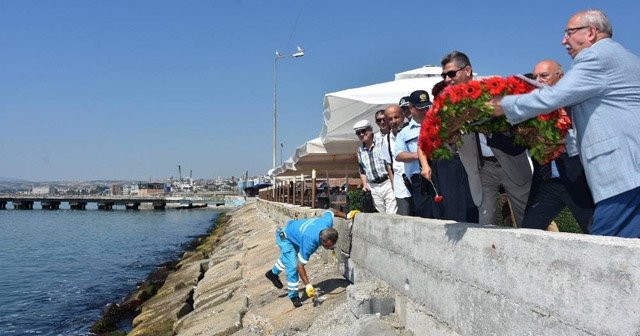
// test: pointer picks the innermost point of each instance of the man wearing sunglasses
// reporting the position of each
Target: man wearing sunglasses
(383, 126)
(490, 160)
(374, 174)
(602, 91)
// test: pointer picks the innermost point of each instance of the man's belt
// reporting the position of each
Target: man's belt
(380, 179)
(490, 158)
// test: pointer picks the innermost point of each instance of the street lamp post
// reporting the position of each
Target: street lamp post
(299, 53)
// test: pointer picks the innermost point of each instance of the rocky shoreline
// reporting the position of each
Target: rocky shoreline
(118, 315)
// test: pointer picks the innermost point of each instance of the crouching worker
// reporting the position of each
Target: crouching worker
(298, 241)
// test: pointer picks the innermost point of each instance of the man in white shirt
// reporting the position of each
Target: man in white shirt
(395, 119)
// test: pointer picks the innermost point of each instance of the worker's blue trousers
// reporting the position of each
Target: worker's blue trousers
(287, 262)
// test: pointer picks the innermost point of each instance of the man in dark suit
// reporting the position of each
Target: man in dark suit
(490, 160)
(559, 183)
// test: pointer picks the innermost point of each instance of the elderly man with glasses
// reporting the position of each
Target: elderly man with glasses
(374, 174)
(602, 91)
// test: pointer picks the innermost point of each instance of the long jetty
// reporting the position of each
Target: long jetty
(79, 202)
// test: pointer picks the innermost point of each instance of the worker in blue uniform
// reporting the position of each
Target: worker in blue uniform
(298, 241)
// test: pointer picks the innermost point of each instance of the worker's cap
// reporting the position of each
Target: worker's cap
(420, 99)
(362, 124)
(404, 101)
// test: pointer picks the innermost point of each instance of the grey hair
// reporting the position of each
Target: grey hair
(379, 112)
(598, 19)
(459, 58)
(329, 234)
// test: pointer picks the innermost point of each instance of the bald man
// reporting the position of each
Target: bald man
(559, 183)
(395, 119)
(548, 72)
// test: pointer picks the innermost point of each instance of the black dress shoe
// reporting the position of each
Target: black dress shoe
(296, 302)
(275, 280)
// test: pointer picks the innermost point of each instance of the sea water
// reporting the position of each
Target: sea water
(58, 269)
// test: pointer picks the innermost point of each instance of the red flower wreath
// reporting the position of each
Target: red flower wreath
(461, 108)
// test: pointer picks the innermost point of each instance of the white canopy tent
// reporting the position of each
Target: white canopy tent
(342, 109)
(333, 159)
(333, 153)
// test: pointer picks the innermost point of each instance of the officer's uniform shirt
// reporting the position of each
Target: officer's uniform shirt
(407, 141)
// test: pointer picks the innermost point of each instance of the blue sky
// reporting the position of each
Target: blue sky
(130, 89)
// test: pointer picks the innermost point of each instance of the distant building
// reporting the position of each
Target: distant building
(42, 190)
(116, 190)
(147, 189)
(134, 189)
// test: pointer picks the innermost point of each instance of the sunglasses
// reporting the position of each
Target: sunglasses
(451, 73)
(379, 120)
(361, 132)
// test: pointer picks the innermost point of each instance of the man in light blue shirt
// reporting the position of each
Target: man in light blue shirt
(298, 241)
(407, 151)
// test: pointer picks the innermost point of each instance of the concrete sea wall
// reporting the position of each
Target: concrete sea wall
(462, 279)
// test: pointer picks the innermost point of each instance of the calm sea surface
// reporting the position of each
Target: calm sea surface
(58, 269)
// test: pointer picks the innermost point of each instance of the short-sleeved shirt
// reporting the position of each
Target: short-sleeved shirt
(370, 161)
(388, 155)
(407, 141)
(304, 234)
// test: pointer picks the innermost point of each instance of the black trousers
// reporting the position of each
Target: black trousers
(453, 184)
(405, 206)
(422, 193)
(549, 199)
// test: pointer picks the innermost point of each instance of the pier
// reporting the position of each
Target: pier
(26, 202)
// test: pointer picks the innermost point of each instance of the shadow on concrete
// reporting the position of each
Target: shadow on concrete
(326, 288)
(455, 231)
(330, 285)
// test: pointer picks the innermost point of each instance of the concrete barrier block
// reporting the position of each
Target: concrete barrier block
(371, 325)
(493, 280)
(366, 298)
